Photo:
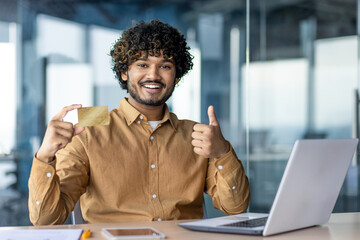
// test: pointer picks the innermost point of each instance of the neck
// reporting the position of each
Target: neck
(152, 113)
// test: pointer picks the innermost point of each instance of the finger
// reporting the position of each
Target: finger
(212, 118)
(55, 125)
(61, 124)
(65, 110)
(201, 152)
(62, 141)
(197, 143)
(78, 130)
(66, 133)
(197, 135)
(200, 127)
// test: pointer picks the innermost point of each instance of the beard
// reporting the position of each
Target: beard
(133, 91)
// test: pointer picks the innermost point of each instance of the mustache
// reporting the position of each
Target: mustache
(151, 81)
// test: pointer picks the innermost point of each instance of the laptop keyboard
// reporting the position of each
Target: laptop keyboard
(256, 222)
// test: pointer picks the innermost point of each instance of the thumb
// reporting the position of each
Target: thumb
(212, 118)
(78, 130)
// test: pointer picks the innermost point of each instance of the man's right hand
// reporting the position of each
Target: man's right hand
(58, 134)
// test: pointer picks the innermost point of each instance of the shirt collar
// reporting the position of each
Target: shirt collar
(131, 114)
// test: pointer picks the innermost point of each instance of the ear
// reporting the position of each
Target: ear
(124, 76)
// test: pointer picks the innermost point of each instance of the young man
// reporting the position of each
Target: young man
(146, 165)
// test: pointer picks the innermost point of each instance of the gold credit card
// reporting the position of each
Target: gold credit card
(93, 116)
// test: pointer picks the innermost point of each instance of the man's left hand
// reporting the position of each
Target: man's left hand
(208, 140)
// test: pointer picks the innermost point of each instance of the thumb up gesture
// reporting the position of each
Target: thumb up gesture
(208, 140)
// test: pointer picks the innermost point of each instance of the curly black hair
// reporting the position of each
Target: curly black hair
(150, 39)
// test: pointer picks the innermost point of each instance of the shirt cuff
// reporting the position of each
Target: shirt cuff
(40, 166)
(228, 162)
(230, 169)
(35, 157)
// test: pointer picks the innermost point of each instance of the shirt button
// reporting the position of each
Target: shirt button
(233, 188)
(37, 202)
(141, 117)
(48, 174)
(220, 167)
(152, 165)
(154, 196)
(159, 219)
(151, 138)
(138, 122)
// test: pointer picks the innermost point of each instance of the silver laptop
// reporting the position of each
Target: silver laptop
(306, 196)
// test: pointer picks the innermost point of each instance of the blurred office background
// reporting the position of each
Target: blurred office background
(275, 70)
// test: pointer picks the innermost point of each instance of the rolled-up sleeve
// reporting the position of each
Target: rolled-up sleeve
(227, 184)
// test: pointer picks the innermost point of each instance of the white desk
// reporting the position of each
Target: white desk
(342, 226)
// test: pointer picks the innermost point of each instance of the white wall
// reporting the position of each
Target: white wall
(61, 37)
(277, 94)
(7, 96)
(335, 81)
(108, 90)
(186, 99)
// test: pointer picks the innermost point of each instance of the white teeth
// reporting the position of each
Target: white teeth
(151, 86)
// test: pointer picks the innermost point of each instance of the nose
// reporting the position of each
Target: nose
(153, 73)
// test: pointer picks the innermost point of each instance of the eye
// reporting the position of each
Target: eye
(166, 66)
(142, 65)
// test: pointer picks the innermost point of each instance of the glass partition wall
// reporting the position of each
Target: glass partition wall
(300, 82)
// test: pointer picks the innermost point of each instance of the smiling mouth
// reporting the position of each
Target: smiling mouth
(151, 86)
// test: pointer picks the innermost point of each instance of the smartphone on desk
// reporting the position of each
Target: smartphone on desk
(132, 233)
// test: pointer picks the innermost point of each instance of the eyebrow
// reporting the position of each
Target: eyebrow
(164, 60)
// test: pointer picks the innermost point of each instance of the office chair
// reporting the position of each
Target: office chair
(76, 215)
(204, 209)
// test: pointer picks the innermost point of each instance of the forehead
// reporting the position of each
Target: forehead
(155, 57)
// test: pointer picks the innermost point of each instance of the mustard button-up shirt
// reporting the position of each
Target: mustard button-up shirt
(126, 171)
